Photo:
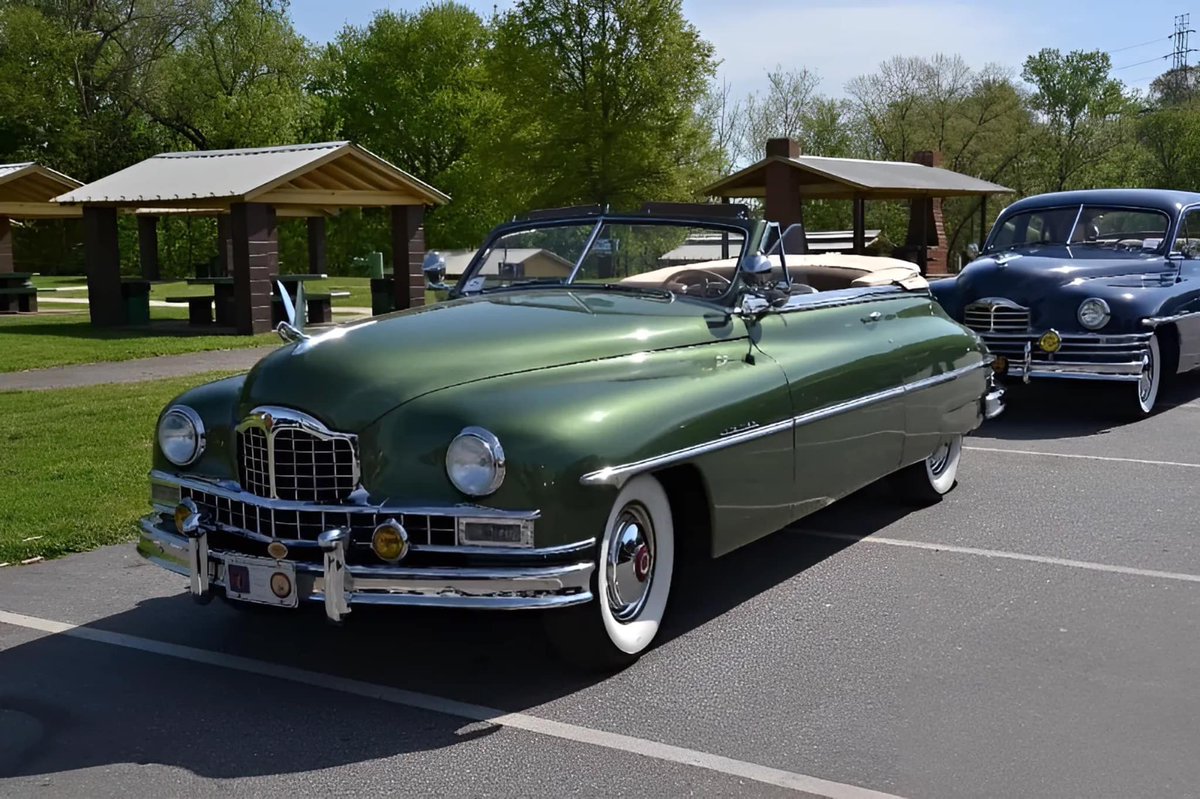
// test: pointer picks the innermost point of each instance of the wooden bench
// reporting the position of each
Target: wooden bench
(18, 299)
(199, 308)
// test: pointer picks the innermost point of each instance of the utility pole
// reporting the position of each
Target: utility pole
(1179, 78)
(1180, 37)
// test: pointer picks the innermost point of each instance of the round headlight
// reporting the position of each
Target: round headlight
(475, 462)
(1093, 313)
(181, 435)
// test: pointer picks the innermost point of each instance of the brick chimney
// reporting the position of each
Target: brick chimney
(781, 202)
(936, 253)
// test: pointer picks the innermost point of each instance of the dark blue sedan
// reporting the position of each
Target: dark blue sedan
(1092, 285)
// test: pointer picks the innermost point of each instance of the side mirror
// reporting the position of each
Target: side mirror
(972, 251)
(434, 267)
(757, 265)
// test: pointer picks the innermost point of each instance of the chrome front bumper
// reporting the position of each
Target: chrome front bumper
(339, 586)
(1091, 356)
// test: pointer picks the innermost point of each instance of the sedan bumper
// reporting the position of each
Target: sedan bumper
(340, 586)
(1081, 356)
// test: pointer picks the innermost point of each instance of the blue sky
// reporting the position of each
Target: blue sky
(841, 39)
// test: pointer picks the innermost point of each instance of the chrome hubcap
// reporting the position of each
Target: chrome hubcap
(939, 459)
(630, 562)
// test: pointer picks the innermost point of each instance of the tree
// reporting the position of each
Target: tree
(599, 100)
(235, 78)
(412, 88)
(1079, 110)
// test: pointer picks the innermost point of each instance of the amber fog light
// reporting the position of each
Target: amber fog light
(1050, 341)
(390, 541)
(187, 517)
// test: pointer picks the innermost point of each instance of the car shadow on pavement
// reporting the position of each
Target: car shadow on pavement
(68, 704)
(1047, 409)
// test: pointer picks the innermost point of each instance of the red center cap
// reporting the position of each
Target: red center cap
(641, 563)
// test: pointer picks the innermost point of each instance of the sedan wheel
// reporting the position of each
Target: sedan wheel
(929, 480)
(635, 562)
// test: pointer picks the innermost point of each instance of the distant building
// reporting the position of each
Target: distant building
(513, 263)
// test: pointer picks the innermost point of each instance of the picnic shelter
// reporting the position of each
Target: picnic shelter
(248, 190)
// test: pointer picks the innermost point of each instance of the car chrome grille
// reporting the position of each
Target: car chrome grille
(287, 455)
(988, 317)
(1077, 348)
(306, 525)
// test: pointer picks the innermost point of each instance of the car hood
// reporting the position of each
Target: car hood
(351, 375)
(1037, 274)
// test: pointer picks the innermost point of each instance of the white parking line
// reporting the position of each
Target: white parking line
(436, 704)
(999, 553)
(1083, 457)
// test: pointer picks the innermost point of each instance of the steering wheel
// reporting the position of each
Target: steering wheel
(699, 282)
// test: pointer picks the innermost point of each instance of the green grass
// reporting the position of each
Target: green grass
(44, 340)
(73, 463)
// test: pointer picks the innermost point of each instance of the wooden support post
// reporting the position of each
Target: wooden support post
(148, 247)
(6, 247)
(255, 252)
(224, 246)
(316, 245)
(408, 254)
(781, 202)
(102, 257)
(983, 228)
(859, 242)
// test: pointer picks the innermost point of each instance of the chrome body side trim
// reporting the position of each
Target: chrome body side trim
(340, 586)
(618, 475)
(1155, 321)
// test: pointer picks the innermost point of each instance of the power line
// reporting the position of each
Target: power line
(1135, 46)
(1147, 61)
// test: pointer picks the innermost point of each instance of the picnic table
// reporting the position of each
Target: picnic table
(17, 292)
(319, 306)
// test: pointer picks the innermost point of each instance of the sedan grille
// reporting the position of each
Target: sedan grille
(997, 317)
(286, 455)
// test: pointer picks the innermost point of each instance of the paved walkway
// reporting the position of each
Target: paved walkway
(135, 371)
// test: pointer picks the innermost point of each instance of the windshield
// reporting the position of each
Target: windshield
(635, 256)
(1121, 230)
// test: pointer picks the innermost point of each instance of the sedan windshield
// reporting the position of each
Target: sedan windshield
(1121, 230)
(635, 256)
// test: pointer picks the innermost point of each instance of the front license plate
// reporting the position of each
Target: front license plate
(268, 582)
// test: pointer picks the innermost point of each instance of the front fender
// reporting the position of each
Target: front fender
(557, 424)
(217, 404)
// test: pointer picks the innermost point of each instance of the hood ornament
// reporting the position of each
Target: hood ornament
(291, 330)
(1003, 259)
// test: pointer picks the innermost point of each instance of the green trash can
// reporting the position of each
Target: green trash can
(135, 297)
(382, 300)
(375, 259)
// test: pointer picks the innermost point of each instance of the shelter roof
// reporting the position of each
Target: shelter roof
(26, 191)
(846, 178)
(326, 175)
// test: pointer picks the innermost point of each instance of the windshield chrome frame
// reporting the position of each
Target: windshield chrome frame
(747, 231)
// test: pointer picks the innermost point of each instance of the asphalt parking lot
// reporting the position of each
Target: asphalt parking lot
(1035, 634)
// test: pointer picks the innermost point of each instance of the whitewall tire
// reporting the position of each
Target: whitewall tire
(927, 481)
(631, 583)
(1146, 388)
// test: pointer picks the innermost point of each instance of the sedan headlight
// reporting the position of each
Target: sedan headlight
(181, 435)
(1094, 313)
(475, 462)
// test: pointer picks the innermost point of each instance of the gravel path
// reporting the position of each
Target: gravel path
(135, 371)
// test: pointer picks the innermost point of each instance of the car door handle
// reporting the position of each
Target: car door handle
(873, 316)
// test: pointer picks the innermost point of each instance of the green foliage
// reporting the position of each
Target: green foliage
(599, 101)
(412, 88)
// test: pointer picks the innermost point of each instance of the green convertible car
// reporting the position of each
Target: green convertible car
(598, 393)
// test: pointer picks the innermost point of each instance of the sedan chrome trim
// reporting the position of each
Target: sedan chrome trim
(1155, 321)
(618, 475)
